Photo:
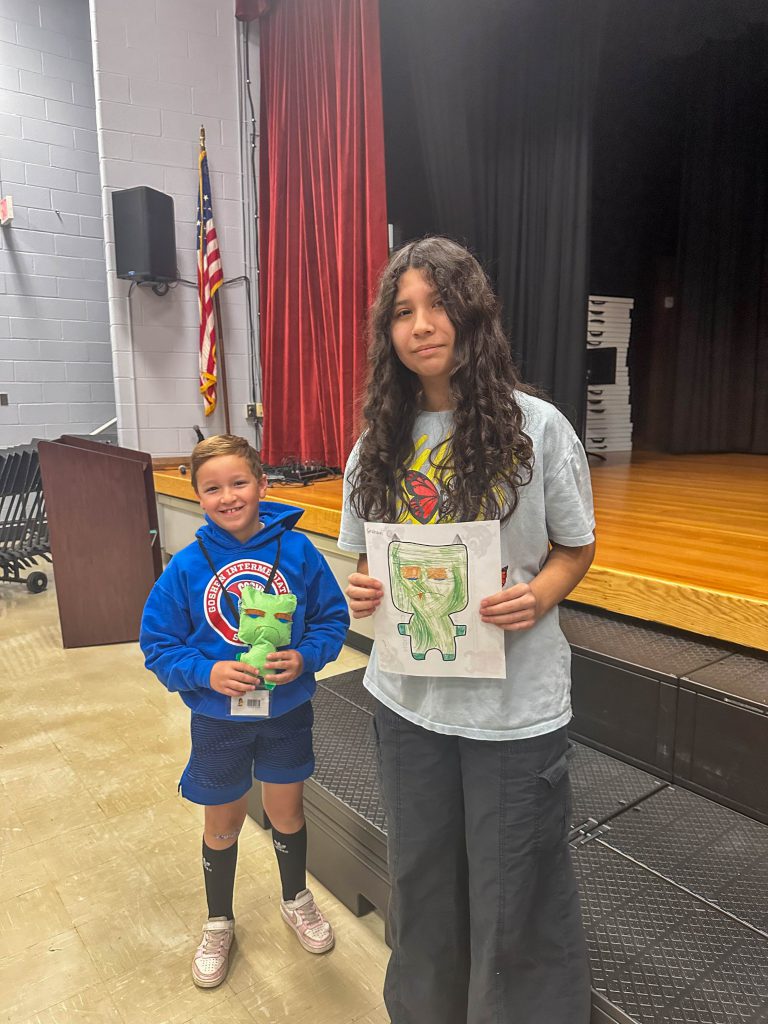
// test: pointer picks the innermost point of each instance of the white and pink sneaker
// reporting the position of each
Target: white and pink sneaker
(312, 930)
(211, 962)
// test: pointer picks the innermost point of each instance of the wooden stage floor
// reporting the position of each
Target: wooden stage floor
(681, 539)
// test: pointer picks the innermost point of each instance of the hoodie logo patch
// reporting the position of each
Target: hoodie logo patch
(235, 576)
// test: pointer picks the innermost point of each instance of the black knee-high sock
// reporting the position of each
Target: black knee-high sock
(219, 871)
(291, 851)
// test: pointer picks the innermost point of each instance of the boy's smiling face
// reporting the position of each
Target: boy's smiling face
(229, 494)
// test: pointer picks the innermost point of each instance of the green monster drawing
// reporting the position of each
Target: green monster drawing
(265, 624)
(429, 581)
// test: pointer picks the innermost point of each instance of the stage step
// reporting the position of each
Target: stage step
(717, 854)
(660, 954)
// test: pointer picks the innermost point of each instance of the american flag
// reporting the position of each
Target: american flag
(209, 279)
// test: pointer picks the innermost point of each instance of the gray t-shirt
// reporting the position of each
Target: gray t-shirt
(555, 506)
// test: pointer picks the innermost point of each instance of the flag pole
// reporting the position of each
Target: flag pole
(221, 362)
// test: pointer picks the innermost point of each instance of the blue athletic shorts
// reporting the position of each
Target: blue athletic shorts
(227, 755)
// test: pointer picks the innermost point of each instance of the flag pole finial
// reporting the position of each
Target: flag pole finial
(202, 136)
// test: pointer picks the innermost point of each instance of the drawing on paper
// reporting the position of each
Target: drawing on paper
(430, 583)
(428, 623)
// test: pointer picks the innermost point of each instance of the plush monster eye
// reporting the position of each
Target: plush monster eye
(437, 574)
(254, 613)
(411, 572)
(283, 616)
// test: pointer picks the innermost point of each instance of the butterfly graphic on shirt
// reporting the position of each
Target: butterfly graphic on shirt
(424, 500)
(425, 496)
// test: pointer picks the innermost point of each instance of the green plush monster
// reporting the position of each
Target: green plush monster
(265, 624)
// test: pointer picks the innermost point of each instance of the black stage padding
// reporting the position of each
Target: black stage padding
(625, 685)
(674, 887)
(688, 710)
(721, 747)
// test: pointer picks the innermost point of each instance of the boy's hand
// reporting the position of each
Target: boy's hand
(285, 666)
(233, 678)
(364, 594)
(512, 609)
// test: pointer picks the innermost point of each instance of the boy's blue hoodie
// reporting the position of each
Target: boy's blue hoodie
(188, 625)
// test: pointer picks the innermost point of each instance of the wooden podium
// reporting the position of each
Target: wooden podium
(102, 520)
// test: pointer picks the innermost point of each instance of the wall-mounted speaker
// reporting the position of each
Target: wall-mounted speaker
(145, 237)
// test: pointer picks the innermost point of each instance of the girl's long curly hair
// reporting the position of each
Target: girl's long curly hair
(490, 457)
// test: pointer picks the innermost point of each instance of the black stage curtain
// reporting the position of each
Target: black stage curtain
(719, 391)
(490, 105)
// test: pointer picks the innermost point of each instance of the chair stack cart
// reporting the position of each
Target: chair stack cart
(23, 522)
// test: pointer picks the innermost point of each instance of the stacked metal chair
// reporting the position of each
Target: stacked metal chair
(23, 522)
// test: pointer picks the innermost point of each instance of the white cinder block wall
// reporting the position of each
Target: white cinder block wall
(55, 357)
(163, 67)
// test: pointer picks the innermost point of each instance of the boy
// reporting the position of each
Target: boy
(189, 639)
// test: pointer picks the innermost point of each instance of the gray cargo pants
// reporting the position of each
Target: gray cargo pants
(484, 912)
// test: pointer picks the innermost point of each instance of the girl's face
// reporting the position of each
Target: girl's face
(422, 335)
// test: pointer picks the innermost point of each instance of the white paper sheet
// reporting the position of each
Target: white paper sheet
(434, 577)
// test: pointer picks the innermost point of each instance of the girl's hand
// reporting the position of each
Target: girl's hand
(364, 594)
(233, 678)
(512, 609)
(285, 666)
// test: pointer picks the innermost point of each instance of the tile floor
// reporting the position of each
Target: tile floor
(101, 894)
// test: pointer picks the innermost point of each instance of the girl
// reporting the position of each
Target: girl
(484, 913)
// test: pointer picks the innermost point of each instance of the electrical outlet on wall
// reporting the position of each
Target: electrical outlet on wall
(254, 411)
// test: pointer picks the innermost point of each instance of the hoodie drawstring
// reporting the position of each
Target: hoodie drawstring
(227, 595)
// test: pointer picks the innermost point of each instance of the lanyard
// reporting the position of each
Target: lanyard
(227, 595)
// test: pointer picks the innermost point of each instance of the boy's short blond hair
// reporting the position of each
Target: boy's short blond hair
(224, 444)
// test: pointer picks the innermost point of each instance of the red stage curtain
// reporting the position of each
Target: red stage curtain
(322, 228)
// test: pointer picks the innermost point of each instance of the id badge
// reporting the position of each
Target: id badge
(254, 704)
